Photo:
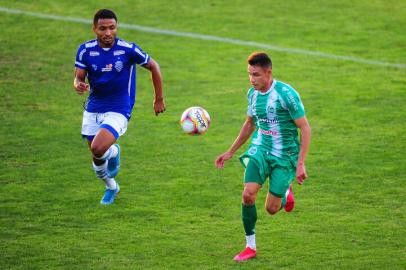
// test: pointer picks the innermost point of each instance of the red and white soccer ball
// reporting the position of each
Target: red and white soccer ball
(195, 121)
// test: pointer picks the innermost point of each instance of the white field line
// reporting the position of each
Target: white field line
(213, 38)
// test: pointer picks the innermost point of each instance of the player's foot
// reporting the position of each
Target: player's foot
(113, 165)
(110, 195)
(246, 254)
(290, 201)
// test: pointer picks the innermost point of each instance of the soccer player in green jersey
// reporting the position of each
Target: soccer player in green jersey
(275, 113)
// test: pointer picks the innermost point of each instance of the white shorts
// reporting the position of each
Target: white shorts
(116, 123)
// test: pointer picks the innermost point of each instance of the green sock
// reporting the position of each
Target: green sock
(249, 218)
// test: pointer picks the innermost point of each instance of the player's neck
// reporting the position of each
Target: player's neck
(266, 87)
(104, 46)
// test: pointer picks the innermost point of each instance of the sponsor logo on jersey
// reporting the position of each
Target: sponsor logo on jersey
(274, 120)
(268, 132)
(118, 66)
(94, 53)
(119, 52)
(108, 68)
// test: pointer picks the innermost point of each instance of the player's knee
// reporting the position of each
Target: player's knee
(97, 150)
(272, 209)
(248, 198)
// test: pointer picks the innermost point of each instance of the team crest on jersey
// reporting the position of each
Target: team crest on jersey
(119, 52)
(108, 68)
(94, 67)
(270, 109)
(94, 53)
(118, 66)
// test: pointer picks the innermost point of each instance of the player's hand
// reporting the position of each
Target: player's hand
(81, 87)
(159, 106)
(301, 174)
(222, 158)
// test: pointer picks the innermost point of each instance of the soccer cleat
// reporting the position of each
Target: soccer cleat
(113, 165)
(290, 201)
(110, 195)
(246, 254)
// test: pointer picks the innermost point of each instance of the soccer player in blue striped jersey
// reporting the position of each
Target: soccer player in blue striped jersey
(274, 115)
(109, 65)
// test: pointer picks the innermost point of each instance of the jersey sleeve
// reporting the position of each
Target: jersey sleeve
(80, 61)
(139, 56)
(292, 102)
(250, 112)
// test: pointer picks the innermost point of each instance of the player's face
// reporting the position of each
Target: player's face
(106, 31)
(260, 78)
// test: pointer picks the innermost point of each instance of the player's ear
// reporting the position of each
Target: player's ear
(269, 71)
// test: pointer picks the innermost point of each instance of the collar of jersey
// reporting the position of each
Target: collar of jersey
(270, 88)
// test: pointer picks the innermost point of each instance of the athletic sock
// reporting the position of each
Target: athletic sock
(114, 151)
(111, 183)
(110, 153)
(251, 241)
(101, 172)
(249, 219)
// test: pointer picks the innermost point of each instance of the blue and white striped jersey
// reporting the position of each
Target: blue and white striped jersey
(111, 74)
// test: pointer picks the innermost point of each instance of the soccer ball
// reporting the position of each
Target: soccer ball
(195, 121)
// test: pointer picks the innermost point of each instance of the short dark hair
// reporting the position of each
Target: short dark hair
(260, 59)
(104, 14)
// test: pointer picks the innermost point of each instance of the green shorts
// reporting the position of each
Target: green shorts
(260, 164)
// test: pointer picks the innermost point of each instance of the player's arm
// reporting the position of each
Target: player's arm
(305, 133)
(79, 83)
(153, 67)
(245, 133)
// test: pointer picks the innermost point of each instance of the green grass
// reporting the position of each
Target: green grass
(176, 211)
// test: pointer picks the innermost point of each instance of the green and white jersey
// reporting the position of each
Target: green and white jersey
(273, 113)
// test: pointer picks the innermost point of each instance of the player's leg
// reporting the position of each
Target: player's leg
(117, 124)
(280, 191)
(100, 166)
(253, 183)
(273, 203)
(102, 131)
(249, 212)
(103, 149)
(102, 146)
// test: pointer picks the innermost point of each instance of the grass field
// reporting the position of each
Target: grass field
(175, 210)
